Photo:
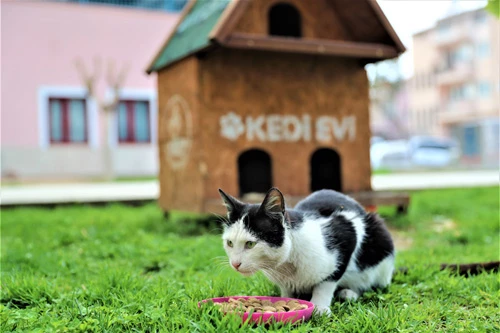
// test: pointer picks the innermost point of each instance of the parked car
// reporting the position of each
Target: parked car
(390, 154)
(432, 151)
(376, 139)
(417, 152)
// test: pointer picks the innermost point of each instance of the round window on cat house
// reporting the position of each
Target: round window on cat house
(254, 172)
(326, 170)
(284, 20)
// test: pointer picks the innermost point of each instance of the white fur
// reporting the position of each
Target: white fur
(359, 228)
(322, 296)
(310, 256)
(348, 295)
(376, 276)
(304, 262)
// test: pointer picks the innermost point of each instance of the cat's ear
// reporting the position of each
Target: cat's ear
(232, 204)
(274, 202)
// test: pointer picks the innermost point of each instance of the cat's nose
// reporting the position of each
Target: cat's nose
(236, 264)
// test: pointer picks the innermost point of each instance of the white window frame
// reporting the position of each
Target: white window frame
(139, 95)
(45, 93)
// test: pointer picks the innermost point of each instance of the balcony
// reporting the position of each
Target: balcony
(453, 36)
(460, 73)
(457, 112)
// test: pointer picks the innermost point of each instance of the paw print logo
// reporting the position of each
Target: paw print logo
(231, 126)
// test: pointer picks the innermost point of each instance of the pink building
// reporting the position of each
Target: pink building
(50, 127)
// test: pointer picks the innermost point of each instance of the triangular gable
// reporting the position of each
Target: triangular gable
(228, 21)
(205, 23)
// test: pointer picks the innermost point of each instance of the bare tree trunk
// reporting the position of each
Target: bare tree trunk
(107, 153)
(106, 107)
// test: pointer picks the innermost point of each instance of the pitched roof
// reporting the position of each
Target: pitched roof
(208, 23)
(191, 35)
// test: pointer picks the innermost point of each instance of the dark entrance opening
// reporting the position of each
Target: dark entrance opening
(326, 170)
(284, 20)
(254, 172)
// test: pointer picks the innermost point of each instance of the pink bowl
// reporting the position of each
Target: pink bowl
(258, 318)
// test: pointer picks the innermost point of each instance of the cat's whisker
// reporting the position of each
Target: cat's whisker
(273, 275)
(221, 266)
(221, 260)
(271, 270)
(219, 230)
(220, 218)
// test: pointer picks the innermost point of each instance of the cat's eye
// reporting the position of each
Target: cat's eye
(250, 245)
(229, 243)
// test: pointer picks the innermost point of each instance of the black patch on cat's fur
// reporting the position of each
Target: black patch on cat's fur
(232, 217)
(234, 208)
(377, 243)
(264, 222)
(341, 236)
(325, 212)
(326, 202)
(268, 228)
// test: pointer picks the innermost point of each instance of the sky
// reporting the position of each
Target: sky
(410, 16)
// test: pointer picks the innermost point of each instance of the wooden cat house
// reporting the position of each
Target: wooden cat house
(261, 93)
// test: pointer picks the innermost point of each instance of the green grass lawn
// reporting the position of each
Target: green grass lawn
(125, 269)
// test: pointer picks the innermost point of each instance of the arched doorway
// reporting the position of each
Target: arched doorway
(254, 172)
(284, 20)
(326, 170)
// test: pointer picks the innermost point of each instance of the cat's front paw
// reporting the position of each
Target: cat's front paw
(348, 295)
(323, 311)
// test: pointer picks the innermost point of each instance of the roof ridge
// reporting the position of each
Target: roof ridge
(208, 23)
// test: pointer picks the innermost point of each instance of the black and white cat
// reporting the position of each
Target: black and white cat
(327, 243)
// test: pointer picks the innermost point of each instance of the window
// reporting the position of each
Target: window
(171, 5)
(469, 91)
(470, 141)
(133, 122)
(483, 50)
(480, 17)
(458, 93)
(484, 89)
(284, 20)
(67, 120)
(443, 28)
(448, 60)
(159, 5)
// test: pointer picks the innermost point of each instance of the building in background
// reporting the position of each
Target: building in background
(51, 127)
(456, 85)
